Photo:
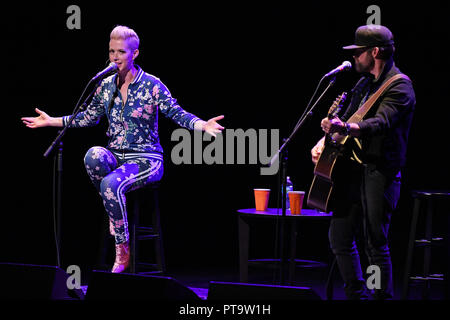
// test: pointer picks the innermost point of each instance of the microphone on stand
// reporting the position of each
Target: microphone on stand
(111, 68)
(346, 65)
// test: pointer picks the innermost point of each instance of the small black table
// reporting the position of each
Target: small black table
(271, 213)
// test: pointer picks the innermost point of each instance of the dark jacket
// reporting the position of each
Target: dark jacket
(385, 128)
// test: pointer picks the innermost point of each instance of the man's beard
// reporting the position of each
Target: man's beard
(364, 67)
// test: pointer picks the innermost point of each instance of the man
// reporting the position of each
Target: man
(376, 152)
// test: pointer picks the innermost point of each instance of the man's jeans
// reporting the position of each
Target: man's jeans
(365, 204)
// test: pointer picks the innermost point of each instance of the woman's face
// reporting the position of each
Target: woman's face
(121, 54)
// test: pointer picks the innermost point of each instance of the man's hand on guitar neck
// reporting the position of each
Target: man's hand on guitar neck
(331, 126)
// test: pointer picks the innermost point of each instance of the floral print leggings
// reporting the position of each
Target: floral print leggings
(113, 175)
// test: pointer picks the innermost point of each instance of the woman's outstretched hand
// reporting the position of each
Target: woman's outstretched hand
(43, 120)
(212, 127)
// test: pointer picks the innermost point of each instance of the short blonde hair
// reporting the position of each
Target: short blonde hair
(125, 33)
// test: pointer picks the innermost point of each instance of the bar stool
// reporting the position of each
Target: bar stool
(430, 199)
(143, 224)
(144, 203)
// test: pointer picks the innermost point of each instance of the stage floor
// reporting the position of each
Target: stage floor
(198, 279)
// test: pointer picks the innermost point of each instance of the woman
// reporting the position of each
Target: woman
(133, 158)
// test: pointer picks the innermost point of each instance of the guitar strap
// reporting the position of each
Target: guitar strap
(362, 111)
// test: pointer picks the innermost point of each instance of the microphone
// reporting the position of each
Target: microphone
(112, 67)
(346, 65)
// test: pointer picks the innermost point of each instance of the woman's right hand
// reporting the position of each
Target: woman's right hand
(43, 120)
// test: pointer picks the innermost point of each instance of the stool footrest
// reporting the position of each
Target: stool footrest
(439, 277)
(154, 266)
(146, 233)
(148, 236)
(145, 229)
(426, 242)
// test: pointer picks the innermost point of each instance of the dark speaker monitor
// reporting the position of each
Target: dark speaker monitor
(35, 282)
(247, 291)
(110, 286)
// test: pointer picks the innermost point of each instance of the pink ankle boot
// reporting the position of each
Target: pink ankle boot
(122, 258)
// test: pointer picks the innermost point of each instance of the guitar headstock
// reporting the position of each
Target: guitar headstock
(337, 105)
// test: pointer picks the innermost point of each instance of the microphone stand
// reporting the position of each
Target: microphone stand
(58, 169)
(283, 173)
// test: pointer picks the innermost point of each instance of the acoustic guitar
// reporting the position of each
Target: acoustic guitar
(322, 184)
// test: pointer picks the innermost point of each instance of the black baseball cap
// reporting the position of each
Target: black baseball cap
(371, 35)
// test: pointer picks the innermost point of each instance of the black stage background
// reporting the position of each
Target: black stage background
(256, 64)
